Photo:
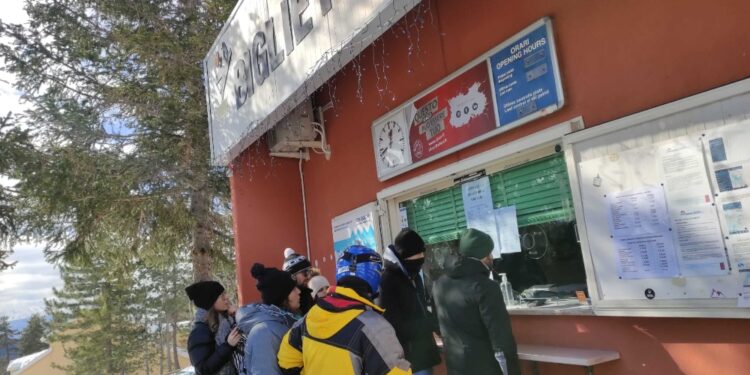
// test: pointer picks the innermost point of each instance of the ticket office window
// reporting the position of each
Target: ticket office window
(549, 268)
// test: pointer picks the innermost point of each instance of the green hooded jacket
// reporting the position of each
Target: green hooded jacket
(474, 322)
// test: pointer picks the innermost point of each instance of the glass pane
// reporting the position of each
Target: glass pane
(550, 264)
(548, 269)
(439, 258)
(550, 261)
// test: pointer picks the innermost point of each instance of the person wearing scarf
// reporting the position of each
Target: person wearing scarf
(407, 305)
(213, 338)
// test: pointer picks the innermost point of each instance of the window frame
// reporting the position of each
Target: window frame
(527, 149)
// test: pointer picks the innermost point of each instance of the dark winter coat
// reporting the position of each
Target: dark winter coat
(306, 300)
(410, 314)
(207, 357)
(474, 322)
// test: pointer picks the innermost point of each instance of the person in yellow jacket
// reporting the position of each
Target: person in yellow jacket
(345, 332)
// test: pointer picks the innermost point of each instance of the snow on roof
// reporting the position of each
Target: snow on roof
(19, 364)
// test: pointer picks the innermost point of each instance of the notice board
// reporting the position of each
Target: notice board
(664, 199)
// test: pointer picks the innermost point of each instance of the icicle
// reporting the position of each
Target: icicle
(358, 71)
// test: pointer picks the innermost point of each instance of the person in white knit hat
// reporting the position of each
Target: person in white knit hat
(319, 285)
(288, 252)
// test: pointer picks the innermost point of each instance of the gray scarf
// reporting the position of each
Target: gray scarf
(226, 322)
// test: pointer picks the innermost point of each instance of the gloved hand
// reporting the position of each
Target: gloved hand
(500, 358)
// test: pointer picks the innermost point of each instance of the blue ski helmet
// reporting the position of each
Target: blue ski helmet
(362, 262)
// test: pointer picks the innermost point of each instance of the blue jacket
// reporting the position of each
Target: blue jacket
(264, 326)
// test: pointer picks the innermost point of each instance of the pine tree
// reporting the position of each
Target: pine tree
(33, 335)
(14, 143)
(119, 316)
(7, 342)
(118, 180)
(96, 316)
(119, 124)
(165, 305)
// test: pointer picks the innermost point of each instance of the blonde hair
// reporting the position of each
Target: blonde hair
(212, 319)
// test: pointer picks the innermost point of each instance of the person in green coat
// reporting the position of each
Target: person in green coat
(473, 319)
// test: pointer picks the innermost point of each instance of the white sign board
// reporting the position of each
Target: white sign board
(272, 54)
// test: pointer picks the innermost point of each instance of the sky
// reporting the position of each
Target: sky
(23, 288)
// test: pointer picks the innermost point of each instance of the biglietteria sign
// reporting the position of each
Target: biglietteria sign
(272, 54)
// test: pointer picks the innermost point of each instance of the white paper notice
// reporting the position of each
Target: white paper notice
(700, 243)
(639, 226)
(727, 150)
(479, 210)
(507, 229)
(740, 253)
(744, 298)
(734, 211)
(685, 178)
(638, 212)
(404, 217)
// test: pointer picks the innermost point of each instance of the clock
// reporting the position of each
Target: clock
(391, 144)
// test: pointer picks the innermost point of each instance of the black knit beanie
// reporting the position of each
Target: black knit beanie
(408, 243)
(204, 293)
(274, 285)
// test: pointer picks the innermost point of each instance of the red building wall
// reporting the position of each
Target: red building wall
(267, 213)
(616, 58)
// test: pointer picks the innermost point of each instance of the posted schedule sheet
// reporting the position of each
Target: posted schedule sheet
(700, 246)
(639, 228)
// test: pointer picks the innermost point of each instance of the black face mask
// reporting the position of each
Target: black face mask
(413, 266)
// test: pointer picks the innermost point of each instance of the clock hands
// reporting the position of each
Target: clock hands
(392, 153)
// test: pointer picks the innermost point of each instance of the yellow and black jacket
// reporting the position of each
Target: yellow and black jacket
(342, 334)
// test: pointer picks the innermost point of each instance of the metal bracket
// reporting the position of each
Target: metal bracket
(303, 154)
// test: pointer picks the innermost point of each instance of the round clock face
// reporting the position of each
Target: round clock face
(391, 144)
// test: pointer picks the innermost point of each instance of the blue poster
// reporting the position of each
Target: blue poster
(356, 227)
(525, 78)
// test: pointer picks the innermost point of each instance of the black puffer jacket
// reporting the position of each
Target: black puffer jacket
(474, 322)
(410, 314)
(205, 355)
(306, 301)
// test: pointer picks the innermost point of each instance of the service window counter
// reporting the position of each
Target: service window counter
(535, 225)
(545, 265)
